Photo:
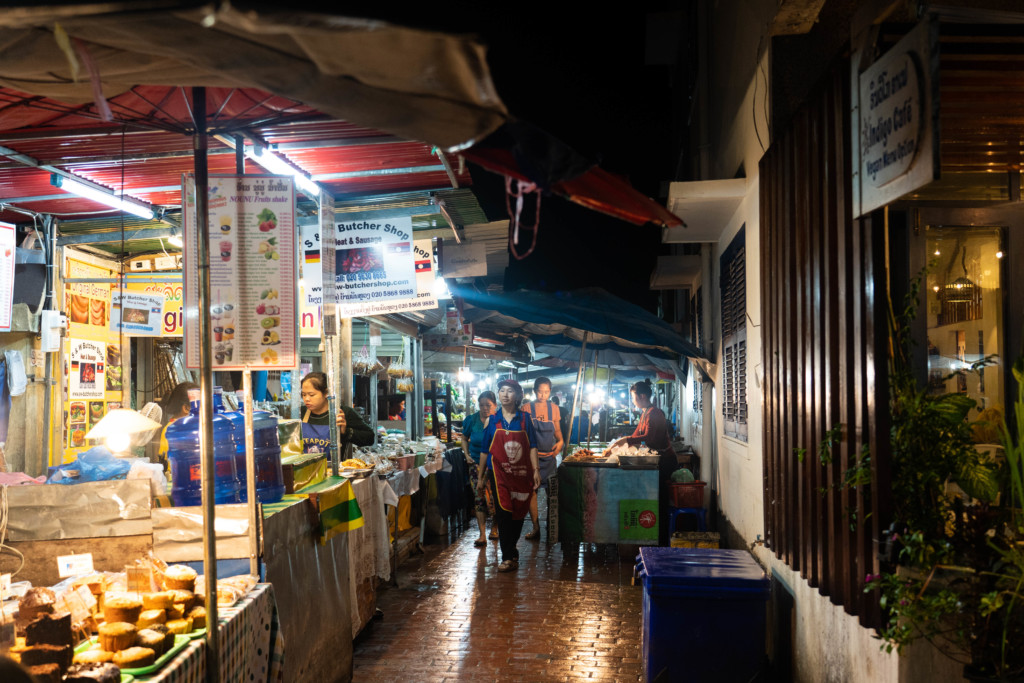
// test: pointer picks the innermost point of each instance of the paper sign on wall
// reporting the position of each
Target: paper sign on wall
(137, 314)
(87, 374)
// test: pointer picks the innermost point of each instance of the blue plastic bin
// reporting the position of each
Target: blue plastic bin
(704, 614)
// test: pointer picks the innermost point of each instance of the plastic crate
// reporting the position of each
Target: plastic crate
(688, 495)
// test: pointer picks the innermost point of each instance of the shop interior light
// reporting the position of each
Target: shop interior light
(121, 428)
(465, 375)
(103, 196)
(275, 164)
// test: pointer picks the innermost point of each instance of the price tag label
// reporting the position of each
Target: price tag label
(140, 579)
(70, 565)
(74, 603)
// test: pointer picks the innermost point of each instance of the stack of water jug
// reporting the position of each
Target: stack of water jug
(228, 455)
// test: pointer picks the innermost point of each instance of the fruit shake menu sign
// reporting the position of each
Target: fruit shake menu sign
(7, 244)
(253, 272)
(87, 377)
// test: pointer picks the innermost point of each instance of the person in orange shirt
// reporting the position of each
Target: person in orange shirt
(547, 425)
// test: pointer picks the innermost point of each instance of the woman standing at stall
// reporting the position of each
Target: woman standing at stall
(316, 426)
(652, 431)
(472, 446)
(511, 457)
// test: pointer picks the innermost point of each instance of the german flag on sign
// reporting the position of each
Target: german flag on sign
(313, 256)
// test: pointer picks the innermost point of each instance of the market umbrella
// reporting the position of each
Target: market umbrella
(420, 85)
(602, 318)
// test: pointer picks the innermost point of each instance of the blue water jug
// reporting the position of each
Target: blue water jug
(266, 455)
(183, 455)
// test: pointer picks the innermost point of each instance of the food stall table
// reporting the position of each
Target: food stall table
(252, 645)
(598, 503)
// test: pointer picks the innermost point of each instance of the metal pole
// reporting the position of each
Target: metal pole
(344, 381)
(590, 419)
(330, 342)
(250, 476)
(206, 387)
(576, 398)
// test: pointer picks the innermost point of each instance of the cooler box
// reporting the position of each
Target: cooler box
(703, 614)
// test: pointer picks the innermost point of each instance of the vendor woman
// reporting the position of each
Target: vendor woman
(316, 426)
(652, 431)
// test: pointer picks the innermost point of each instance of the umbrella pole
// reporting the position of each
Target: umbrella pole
(576, 399)
(206, 385)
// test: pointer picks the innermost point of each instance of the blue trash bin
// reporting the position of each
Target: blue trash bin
(703, 614)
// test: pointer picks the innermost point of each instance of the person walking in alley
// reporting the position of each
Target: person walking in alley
(511, 457)
(547, 426)
(472, 446)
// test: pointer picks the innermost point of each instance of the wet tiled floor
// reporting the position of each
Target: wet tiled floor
(453, 617)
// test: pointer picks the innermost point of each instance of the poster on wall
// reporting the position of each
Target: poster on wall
(171, 295)
(253, 272)
(87, 374)
(7, 251)
(136, 314)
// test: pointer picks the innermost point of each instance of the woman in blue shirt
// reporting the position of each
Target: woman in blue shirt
(472, 445)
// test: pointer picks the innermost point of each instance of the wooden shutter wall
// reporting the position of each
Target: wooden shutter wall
(824, 344)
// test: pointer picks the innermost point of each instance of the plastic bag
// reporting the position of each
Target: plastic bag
(95, 464)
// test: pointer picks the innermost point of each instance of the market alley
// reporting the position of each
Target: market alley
(453, 617)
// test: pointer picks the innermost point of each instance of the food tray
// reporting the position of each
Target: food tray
(354, 473)
(180, 643)
(638, 462)
(589, 463)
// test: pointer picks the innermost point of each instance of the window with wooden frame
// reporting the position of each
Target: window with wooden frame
(734, 337)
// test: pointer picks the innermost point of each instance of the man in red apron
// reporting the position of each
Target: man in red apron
(512, 460)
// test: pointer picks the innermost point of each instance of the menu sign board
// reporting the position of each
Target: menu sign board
(253, 272)
(374, 261)
(7, 244)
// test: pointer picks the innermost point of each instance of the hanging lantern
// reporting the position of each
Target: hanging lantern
(961, 290)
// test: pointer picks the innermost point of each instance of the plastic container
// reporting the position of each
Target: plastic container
(266, 454)
(703, 614)
(687, 495)
(183, 455)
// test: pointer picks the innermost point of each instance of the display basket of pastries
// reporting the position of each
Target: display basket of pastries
(355, 468)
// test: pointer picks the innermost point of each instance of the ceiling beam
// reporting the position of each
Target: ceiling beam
(115, 236)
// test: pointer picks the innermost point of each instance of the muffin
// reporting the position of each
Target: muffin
(37, 601)
(161, 600)
(94, 672)
(154, 640)
(150, 617)
(166, 633)
(180, 576)
(176, 611)
(122, 609)
(180, 626)
(117, 636)
(134, 658)
(93, 657)
(184, 597)
(198, 617)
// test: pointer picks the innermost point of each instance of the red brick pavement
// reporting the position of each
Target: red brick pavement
(453, 617)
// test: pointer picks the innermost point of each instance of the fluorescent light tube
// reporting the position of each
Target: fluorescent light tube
(278, 166)
(103, 197)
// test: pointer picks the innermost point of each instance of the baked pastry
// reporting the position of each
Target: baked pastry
(49, 629)
(176, 611)
(92, 657)
(95, 672)
(126, 609)
(185, 598)
(166, 633)
(180, 576)
(117, 635)
(79, 309)
(162, 600)
(36, 601)
(198, 617)
(134, 658)
(93, 581)
(180, 626)
(45, 673)
(154, 640)
(150, 617)
(48, 654)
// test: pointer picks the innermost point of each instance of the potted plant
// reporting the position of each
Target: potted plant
(955, 574)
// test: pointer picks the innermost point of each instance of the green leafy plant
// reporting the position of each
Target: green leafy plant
(956, 576)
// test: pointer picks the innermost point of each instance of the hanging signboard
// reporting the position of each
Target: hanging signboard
(375, 261)
(311, 296)
(253, 272)
(898, 136)
(136, 314)
(328, 255)
(468, 259)
(171, 294)
(423, 298)
(8, 241)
